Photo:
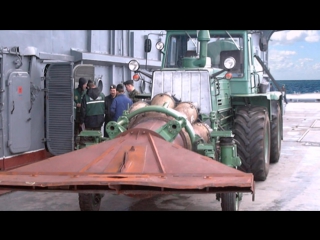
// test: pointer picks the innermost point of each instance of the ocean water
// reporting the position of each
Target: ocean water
(300, 86)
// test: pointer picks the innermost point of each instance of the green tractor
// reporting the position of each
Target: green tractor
(211, 96)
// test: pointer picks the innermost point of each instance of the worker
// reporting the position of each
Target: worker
(131, 90)
(107, 104)
(120, 103)
(92, 108)
(79, 92)
(271, 87)
(284, 92)
(90, 84)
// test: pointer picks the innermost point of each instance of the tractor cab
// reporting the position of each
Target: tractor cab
(204, 49)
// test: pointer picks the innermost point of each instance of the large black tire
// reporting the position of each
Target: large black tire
(252, 135)
(90, 201)
(275, 136)
(230, 201)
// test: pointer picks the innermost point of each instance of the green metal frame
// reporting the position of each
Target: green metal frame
(169, 131)
(89, 137)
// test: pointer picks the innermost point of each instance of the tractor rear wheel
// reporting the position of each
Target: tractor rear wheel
(252, 135)
(275, 136)
(90, 201)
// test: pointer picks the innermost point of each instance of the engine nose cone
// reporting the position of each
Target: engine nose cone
(189, 110)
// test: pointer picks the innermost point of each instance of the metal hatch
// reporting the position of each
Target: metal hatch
(19, 117)
(59, 108)
(83, 70)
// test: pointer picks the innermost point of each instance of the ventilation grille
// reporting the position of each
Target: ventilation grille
(59, 108)
(187, 86)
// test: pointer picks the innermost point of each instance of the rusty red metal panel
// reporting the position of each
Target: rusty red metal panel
(136, 159)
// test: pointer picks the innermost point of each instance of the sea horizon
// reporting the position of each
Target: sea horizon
(300, 86)
(298, 80)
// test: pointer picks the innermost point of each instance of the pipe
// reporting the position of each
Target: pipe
(203, 38)
(191, 62)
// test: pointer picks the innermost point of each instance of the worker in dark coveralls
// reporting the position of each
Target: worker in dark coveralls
(92, 108)
(79, 92)
(120, 103)
(131, 90)
(272, 87)
(107, 105)
(284, 92)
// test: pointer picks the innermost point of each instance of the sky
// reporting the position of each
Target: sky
(295, 55)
